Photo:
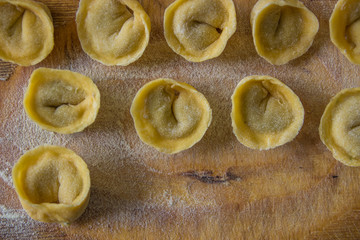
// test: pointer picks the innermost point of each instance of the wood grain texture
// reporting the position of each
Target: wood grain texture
(218, 189)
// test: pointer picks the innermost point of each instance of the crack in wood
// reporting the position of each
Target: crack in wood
(208, 177)
(6, 70)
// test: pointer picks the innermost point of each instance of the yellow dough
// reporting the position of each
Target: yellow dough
(265, 112)
(52, 183)
(198, 30)
(340, 126)
(282, 29)
(345, 28)
(26, 32)
(61, 101)
(113, 32)
(170, 116)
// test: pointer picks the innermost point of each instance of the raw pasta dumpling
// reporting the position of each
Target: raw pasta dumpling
(26, 32)
(170, 116)
(340, 126)
(61, 101)
(113, 32)
(265, 112)
(345, 28)
(282, 29)
(198, 30)
(52, 183)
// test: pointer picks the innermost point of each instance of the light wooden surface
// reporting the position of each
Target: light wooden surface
(218, 189)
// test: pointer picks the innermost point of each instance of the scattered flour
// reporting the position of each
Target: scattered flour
(6, 176)
(12, 213)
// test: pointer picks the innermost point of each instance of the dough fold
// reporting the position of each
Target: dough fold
(170, 116)
(52, 184)
(282, 29)
(265, 113)
(26, 32)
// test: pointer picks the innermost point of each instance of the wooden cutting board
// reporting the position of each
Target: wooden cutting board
(218, 189)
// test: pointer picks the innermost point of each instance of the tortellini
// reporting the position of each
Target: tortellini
(340, 126)
(198, 30)
(113, 32)
(170, 116)
(282, 29)
(52, 183)
(265, 113)
(26, 32)
(61, 101)
(345, 28)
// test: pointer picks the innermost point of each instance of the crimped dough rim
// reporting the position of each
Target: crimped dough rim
(125, 60)
(338, 152)
(17, 173)
(212, 51)
(282, 138)
(337, 36)
(43, 12)
(69, 76)
(190, 140)
(289, 54)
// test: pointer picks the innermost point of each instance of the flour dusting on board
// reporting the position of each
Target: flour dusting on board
(5, 172)
(12, 213)
(5, 176)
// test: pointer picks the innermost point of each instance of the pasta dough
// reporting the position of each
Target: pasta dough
(52, 183)
(345, 28)
(170, 116)
(340, 126)
(198, 30)
(26, 32)
(113, 32)
(282, 29)
(265, 113)
(61, 101)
